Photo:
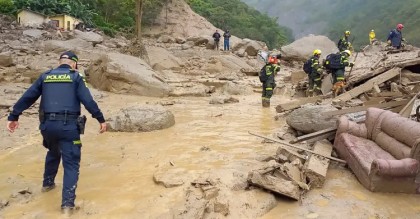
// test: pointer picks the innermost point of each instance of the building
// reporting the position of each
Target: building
(26, 17)
(65, 22)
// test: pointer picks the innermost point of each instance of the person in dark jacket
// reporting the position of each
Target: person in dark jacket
(344, 43)
(395, 37)
(62, 90)
(216, 38)
(315, 76)
(271, 69)
(338, 74)
(226, 37)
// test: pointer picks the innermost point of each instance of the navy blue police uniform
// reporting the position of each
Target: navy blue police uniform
(62, 90)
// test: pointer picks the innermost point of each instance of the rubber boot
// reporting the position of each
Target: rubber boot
(266, 103)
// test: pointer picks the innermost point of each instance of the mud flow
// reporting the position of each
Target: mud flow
(117, 169)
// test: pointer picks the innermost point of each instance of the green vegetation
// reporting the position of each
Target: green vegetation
(333, 17)
(242, 21)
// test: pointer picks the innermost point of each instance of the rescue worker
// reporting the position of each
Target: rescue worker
(372, 37)
(344, 43)
(216, 38)
(338, 74)
(395, 37)
(271, 69)
(315, 76)
(62, 90)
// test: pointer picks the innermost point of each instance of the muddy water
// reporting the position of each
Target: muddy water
(116, 179)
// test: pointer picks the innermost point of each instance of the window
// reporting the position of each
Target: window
(68, 25)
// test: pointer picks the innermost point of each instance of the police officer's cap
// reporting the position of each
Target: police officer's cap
(69, 55)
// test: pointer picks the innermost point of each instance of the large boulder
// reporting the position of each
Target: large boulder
(310, 118)
(237, 89)
(89, 36)
(35, 33)
(6, 59)
(251, 47)
(142, 118)
(200, 40)
(121, 73)
(161, 59)
(303, 48)
(59, 46)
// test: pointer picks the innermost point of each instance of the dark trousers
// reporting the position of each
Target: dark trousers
(216, 44)
(268, 89)
(63, 142)
(226, 45)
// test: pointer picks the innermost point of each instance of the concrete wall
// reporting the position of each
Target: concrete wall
(27, 18)
(66, 22)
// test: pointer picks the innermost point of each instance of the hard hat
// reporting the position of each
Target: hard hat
(372, 31)
(347, 33)
(317, 52)
(348, 52)
(400, 26)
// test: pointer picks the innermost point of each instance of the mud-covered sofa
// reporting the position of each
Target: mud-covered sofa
(383, 152)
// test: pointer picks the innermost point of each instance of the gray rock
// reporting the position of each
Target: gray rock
(300, 50)
(166, 39)
(6, 59)
(89, 36)
(180, 40)
(142, 118)
(121, 73)
(251, 47)
(35, 33)
(237, 89)
(310, 118)
(223, 100)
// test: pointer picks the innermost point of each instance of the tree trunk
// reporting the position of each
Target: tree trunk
(139, 14)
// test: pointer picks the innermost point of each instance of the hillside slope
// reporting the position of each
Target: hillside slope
(331, 18)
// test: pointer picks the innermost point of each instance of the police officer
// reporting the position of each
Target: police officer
(61, 90)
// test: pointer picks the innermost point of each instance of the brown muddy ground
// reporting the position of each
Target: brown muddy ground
(116, 179)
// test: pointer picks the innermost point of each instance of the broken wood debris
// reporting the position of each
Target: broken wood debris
(296, 104)
(297, 147)
(314, 135)
(316, 167)
(364, 108)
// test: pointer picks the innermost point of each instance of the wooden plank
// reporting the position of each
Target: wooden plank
(389, 94)
(296, 104)
(275, 184)
(369, 85)
(405, 112)
(297, 147)
(316, 167)
(363, 108)
(313, 135)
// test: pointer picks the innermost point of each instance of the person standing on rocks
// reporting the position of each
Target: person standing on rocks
(62, 90)
(344, 43)
(216, 38)
(338, 74)
(315, 74)
(395, 37)
(372, 37)
(267, 77)
(226, 43)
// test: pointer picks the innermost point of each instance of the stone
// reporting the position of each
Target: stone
(162, 59)
(251, 47)
(223, 100)
(170, 178)
(180, 40)
(166, 39)
(310, 118)
(6, 59)
(236, 89)
(89, 36)
(35, 33)
(141, 118)
(299, 49)
(275, 184)
(121, 73)
(59, 46)
(316, 167)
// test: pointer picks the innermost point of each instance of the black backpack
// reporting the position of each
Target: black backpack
(263, 73)
(307, 67)
(333, 62)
